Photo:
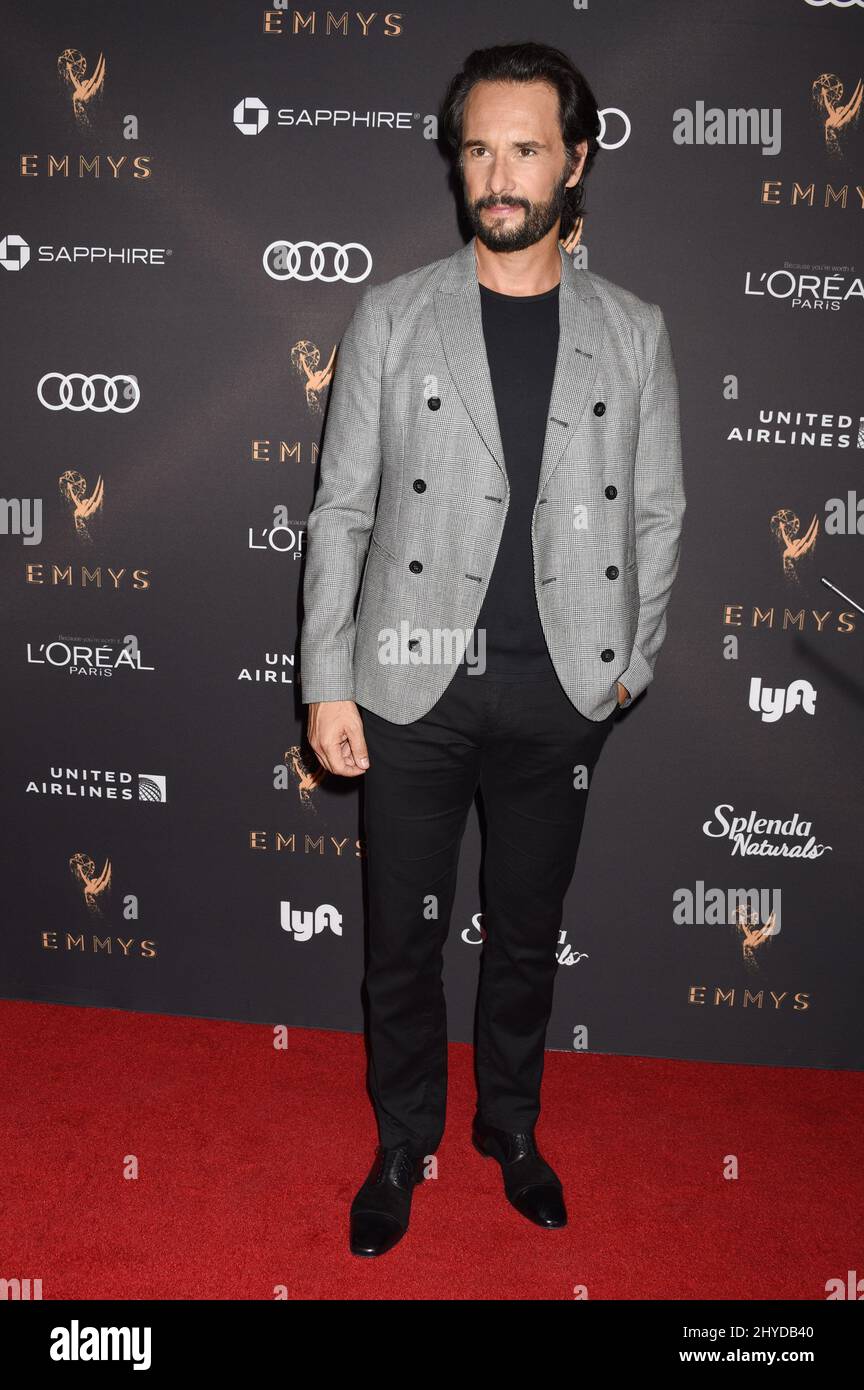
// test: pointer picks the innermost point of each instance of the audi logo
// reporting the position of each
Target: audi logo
(603, 139)
(282, 260)
(66, 392)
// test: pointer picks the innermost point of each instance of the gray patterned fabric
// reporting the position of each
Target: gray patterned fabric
(412, 497)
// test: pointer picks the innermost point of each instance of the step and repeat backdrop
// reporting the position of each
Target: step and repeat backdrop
(194, 198)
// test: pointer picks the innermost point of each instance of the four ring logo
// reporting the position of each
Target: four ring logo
(251, 116)
(620, 131)
(66, 392)
(282, 260)
(14, 252)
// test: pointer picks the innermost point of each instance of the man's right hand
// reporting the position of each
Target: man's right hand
(336, 735)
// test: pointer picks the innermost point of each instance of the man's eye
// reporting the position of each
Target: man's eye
(480, 149)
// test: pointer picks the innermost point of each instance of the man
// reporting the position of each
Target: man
(502, 470)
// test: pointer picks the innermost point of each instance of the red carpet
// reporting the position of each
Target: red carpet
(248, 1159)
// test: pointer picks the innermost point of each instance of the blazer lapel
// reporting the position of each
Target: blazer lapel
(460, 326)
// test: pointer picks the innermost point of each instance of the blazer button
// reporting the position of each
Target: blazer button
(607, 655)
(419, 486)
(415, 567)
(600, 408)
(434, 403)
(612, 572)
(611, 490)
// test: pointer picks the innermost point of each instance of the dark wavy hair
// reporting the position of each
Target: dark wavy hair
(529, 62)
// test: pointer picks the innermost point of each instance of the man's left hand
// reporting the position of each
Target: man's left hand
(623, 693)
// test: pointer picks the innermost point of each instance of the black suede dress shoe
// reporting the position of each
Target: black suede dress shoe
(531, 1186)
(382, 1207)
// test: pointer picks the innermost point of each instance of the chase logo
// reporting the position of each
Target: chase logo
(251, 116)
(14, 252)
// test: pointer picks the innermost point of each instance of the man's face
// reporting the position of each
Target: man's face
(515, 170)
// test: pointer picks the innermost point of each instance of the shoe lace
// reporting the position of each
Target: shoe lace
(395, 1165)
(521, 1145)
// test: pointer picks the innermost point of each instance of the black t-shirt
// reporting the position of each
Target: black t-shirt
(521, 335)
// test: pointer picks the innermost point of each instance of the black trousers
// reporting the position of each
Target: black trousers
(532, 754)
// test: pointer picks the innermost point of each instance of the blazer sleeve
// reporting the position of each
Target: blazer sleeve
(659, 503)
(341, 520)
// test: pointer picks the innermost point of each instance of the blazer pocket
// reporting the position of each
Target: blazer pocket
(382, 549)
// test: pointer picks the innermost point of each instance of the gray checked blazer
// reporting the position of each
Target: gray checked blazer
(413, 494)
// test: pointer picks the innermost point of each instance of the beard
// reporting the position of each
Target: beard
(516, 233)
